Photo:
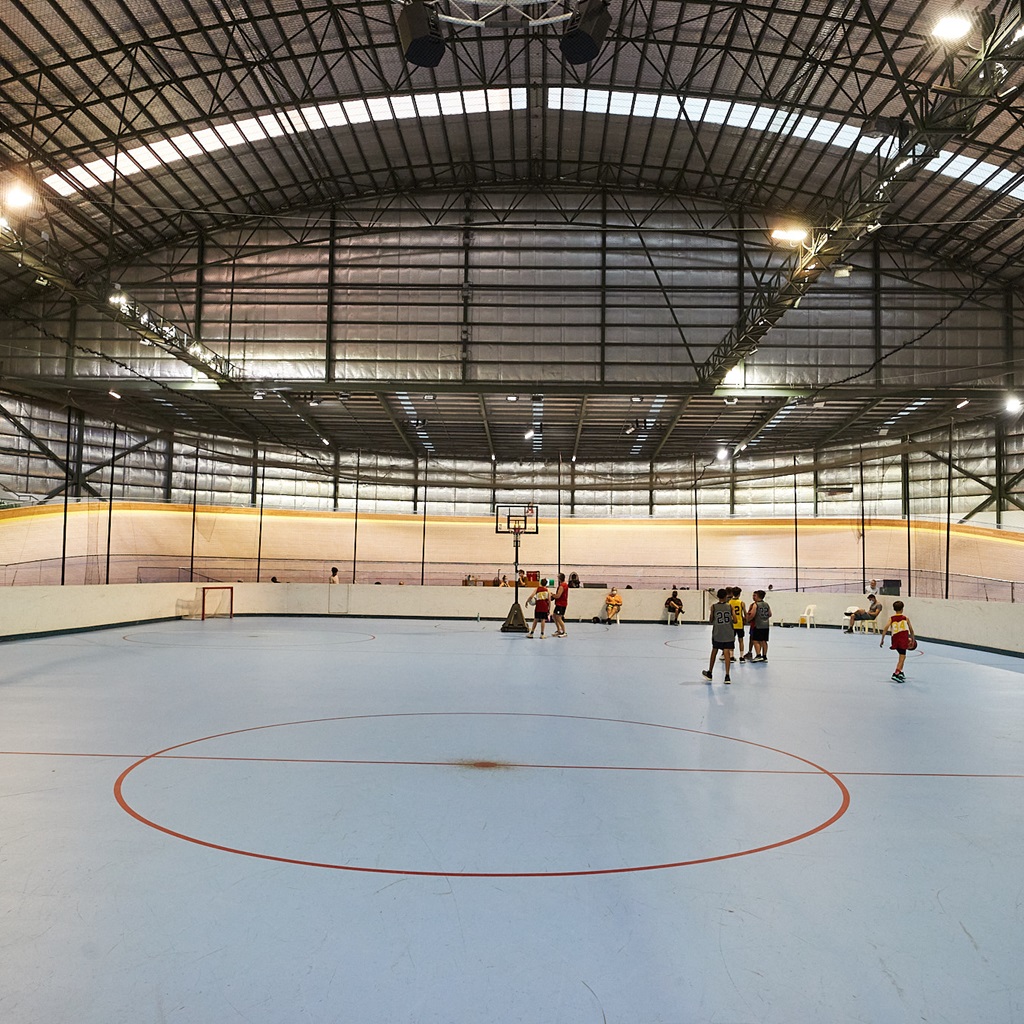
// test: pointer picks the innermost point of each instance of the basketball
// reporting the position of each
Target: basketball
(912, 644)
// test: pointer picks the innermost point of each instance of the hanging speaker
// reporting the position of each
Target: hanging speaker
(419, 31)
(585, 32)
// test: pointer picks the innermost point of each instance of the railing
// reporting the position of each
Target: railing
(90, 570)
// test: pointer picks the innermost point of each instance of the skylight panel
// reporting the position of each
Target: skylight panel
(475, 101)
(428, 104)
(404, 106)
(380, 109)
(356, 112)
(317, 117)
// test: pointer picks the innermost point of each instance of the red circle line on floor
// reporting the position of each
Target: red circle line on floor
(820, 827)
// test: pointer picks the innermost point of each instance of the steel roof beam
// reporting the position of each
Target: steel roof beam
(953, 114)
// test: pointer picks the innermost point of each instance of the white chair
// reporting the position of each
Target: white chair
(866, 625)
(807, 619)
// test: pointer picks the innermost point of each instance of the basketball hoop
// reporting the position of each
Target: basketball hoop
(517, 520)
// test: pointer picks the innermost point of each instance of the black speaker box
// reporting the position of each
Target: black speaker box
(419, 31)
(585, 32)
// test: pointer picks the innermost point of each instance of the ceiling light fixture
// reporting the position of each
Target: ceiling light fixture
(963, 402)
(722, 454)
(17, 196)
(790, 234)
(1013, 404)
(951, 28)
(113, 394)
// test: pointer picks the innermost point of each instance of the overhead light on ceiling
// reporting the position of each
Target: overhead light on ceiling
(324, 442)
(637, 399)
(419, 33)
(113, 394)
(314, 400)
(722, 454)
(735, 377)
(18, 196)
(41, 282)
(1013, 404)
(730, 400)
(631, 429)
(528, 435)
(573, 459)
(511, 398)
(429, 398)
(841, 270)
(951, 28)
(258, 396)
(790, 234)
(585, 31)
(963, 403)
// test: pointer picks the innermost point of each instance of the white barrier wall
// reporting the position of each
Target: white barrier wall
(27, 611)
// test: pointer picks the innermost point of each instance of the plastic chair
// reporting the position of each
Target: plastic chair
(807, 619)
(867, 625)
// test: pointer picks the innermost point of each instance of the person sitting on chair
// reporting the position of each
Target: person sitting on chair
(674, 606)
(612, 605)
(868, 614)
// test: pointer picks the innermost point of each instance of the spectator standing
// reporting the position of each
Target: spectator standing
(335, 578)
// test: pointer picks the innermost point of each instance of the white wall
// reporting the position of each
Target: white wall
(35, 610)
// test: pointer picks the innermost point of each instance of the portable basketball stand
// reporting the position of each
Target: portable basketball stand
(517, 520)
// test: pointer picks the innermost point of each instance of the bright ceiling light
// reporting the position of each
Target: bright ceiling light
(528, 435)
(963, 403)
(951, 27)
(734, 378)
(113, 394)
(723, 454)
(1014, 404)
(18, 197)
(791, 234)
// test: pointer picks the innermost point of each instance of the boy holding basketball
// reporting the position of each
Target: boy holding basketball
(903, 638)
(541, 601)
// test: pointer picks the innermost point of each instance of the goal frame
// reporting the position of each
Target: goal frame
(231, 601)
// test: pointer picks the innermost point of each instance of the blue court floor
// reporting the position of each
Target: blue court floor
(280, 821)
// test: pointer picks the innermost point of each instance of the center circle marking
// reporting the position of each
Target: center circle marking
(166, 752)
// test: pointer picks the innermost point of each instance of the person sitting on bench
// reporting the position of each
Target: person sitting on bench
(612, 605)
(865, 614)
